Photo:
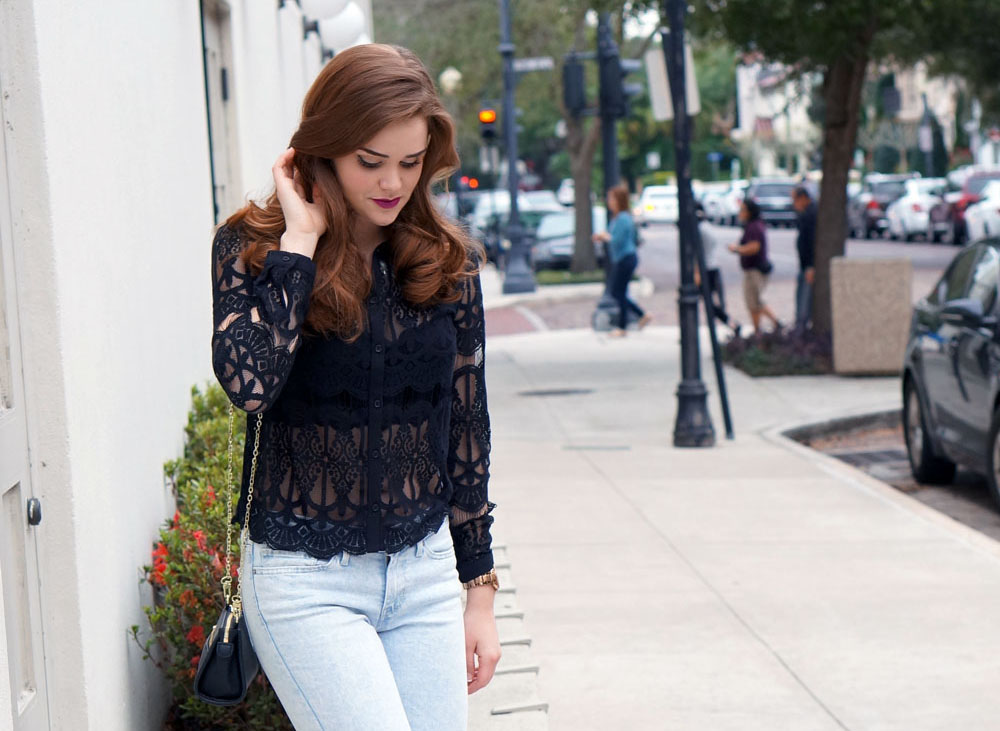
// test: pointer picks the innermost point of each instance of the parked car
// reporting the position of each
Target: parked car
(489, 218)
(774, 196)
(566, 192)
(866, 211)
(540, 199)
(555, 238)
(951, 372)
(971, 193)
(722, 207)
(909, 215)
(982, 219)
(657, 204)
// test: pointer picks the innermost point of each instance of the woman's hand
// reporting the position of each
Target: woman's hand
(735, 248)
(304, 222)
(481, 639)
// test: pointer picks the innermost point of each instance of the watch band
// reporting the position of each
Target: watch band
(489, 578)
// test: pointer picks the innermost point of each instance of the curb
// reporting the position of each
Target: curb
(551, 293)
(861, 481)
(844, 425)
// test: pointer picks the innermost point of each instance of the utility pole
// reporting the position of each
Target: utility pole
(518, 276)
(693, 427)
(610, 93)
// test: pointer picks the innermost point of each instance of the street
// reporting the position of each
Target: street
(658, 260)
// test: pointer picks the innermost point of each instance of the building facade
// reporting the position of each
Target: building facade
(127, 130)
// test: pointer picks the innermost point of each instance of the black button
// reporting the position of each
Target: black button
(378, 403)
(373, 508)
(378, 348)
(286, 257)
(373, 454)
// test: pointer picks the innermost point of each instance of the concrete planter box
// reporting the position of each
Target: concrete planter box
(872, 302)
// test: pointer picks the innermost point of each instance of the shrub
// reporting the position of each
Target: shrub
(188, 561)
(782, 353)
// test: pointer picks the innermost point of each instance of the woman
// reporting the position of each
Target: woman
(621, 247)
(756, 267)
(349, 312)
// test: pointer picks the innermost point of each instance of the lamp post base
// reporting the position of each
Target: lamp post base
(694, 425)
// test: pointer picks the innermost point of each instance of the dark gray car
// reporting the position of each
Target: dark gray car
(951, 372)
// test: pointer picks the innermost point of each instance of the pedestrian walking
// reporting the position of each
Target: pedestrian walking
(710, 247)
(348, 312)
(621, 245)
(752, 250)
(805, 207)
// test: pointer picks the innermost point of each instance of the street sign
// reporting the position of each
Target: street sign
(539, 63)
(653, 160)
(659, 86)
(714, 156)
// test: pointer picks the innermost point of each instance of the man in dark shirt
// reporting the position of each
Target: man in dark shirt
(806, 244)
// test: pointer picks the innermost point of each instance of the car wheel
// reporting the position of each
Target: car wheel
(925, 466)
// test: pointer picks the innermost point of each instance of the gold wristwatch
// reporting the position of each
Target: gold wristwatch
(488, 578)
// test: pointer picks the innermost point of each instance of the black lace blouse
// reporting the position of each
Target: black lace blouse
(364, 446)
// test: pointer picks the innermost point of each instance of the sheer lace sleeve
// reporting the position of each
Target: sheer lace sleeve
(257, 320)
(469, 445)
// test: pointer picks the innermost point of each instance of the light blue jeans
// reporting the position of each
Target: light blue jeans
(364, 642)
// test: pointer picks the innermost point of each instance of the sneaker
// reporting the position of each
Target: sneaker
(645, 320)
(616, 333)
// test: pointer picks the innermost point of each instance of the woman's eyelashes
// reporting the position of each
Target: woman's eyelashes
(370, 164)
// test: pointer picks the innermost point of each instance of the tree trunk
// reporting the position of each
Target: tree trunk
(842, 85)
(581, 143)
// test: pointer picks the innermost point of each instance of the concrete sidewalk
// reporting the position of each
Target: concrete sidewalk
(754, 585)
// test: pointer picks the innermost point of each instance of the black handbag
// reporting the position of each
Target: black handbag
(228, 662)
(765, 267)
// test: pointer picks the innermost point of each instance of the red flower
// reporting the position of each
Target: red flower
(210, 495)
(196, 635)
(159, 569)
(177, 519)
(187, 599)
(196, 659)
(161, 551)
(199, 537)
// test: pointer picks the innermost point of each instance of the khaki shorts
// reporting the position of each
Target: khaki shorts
(754, 283)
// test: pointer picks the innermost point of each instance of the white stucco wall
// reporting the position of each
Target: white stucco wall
(130, 200)
(112, 217)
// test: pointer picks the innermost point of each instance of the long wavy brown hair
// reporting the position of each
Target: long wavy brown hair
(360, 91)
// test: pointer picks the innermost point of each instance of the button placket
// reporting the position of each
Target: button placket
(376, 324)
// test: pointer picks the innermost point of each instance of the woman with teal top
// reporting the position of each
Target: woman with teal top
(621, 243)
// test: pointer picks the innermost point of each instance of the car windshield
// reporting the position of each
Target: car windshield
(556, 225)
(976, 184)
(927, 187)
(889, 188)
(775, 190)
(542, 198)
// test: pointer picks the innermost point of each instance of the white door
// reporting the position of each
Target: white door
(221, 110)
(18, 535)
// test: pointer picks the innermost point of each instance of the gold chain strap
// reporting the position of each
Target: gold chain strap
(235, 599)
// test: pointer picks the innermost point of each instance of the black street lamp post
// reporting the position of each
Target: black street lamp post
(518, 276)
(693, 427)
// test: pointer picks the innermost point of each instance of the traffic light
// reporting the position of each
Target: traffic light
(574, 94)
(487, 124)
(615, 93)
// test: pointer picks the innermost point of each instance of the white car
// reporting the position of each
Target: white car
(657, 204)
(722, 207)
(982, 219)
(909, 215)
(711, 199)
(566, 194)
